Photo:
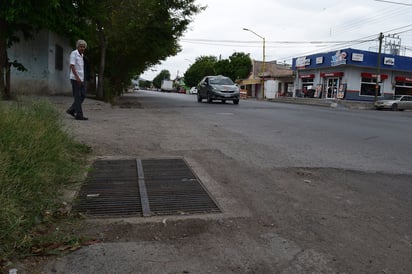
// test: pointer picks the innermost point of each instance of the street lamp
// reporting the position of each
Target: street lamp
(263, 62)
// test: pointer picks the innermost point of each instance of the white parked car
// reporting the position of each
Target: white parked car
(399, 102)
(193, 90)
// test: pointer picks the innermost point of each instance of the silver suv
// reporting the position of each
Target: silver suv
(218, 88)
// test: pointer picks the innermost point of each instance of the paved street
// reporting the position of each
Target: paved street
(303, 189)
(299, 135)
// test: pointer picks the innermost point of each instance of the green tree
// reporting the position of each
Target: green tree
(203, 66)
(223, 67)
(144, 84)
(142, 33)
(163, 75)
(240, 65)
(124, 37)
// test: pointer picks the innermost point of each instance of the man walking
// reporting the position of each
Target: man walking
(77, 79)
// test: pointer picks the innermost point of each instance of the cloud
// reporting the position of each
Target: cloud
(218, 30)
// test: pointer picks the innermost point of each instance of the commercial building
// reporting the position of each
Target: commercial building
(352, 74)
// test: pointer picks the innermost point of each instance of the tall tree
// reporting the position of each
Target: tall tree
(163, 75)
(125, 37)
(223, 67)
(98, 15)
(203, 66)
(147, 32)
(240, 65)
(139, 34)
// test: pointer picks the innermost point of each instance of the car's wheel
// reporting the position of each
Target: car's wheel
(209, 99)
(223, 101)
(236, 102)
(395, 107)
(199, 98)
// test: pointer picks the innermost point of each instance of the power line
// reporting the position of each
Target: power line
(211, 41)
(344, 45)
(377, 18)
(392, 2)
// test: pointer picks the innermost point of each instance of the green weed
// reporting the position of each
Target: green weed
(38, 159)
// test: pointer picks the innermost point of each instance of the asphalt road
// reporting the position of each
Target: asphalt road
(300, 135)
(303, 189)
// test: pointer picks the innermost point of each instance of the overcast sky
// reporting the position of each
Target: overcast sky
(291, 29)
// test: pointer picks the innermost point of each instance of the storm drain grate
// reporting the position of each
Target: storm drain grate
(172, 188)
(117, 188)
(110, 190)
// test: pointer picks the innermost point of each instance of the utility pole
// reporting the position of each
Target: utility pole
(378, 73)
(263, 61)
(263, 70)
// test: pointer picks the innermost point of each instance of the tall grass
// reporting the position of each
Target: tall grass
(38, 159)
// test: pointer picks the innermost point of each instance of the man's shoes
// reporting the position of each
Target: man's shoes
(81, 118)
(70, 112)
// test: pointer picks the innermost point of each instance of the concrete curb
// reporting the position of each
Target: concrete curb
(325, 102)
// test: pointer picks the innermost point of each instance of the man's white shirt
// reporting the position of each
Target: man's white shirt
(76, 59)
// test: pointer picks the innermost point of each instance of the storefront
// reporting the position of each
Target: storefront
(403, 85)
(352, 75)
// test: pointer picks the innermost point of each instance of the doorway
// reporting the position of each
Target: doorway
(332, 85)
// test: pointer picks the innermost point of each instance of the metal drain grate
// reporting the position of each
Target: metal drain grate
(110, 190)
(172, 188)
(117, 188)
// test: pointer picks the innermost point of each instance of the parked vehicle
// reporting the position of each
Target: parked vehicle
(193, 90)
(218, 88)
(399, 102)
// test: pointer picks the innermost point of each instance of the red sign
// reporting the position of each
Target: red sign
(307, 76)
(332, 74)
(370, 75)
(403, 79)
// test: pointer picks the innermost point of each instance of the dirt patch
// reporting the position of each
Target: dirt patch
(126, 102)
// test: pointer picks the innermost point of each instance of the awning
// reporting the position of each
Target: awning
(250, 82)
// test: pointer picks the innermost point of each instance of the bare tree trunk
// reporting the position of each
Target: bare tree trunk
(103, 47)
(4, 64)
(8, 73)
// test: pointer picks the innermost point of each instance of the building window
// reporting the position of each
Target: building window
(307, 82)
(307, 87)
(59, 58)
(403, 88)
(368, 87)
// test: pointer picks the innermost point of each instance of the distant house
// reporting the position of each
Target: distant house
(278, 80)
(46, 58)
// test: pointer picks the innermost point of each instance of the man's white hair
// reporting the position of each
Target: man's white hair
(81, 42)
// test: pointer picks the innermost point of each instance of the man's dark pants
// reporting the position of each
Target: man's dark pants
(79, 93)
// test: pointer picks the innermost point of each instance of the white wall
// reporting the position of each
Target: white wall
(38, 56)
(271, 89)
(59, 82)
